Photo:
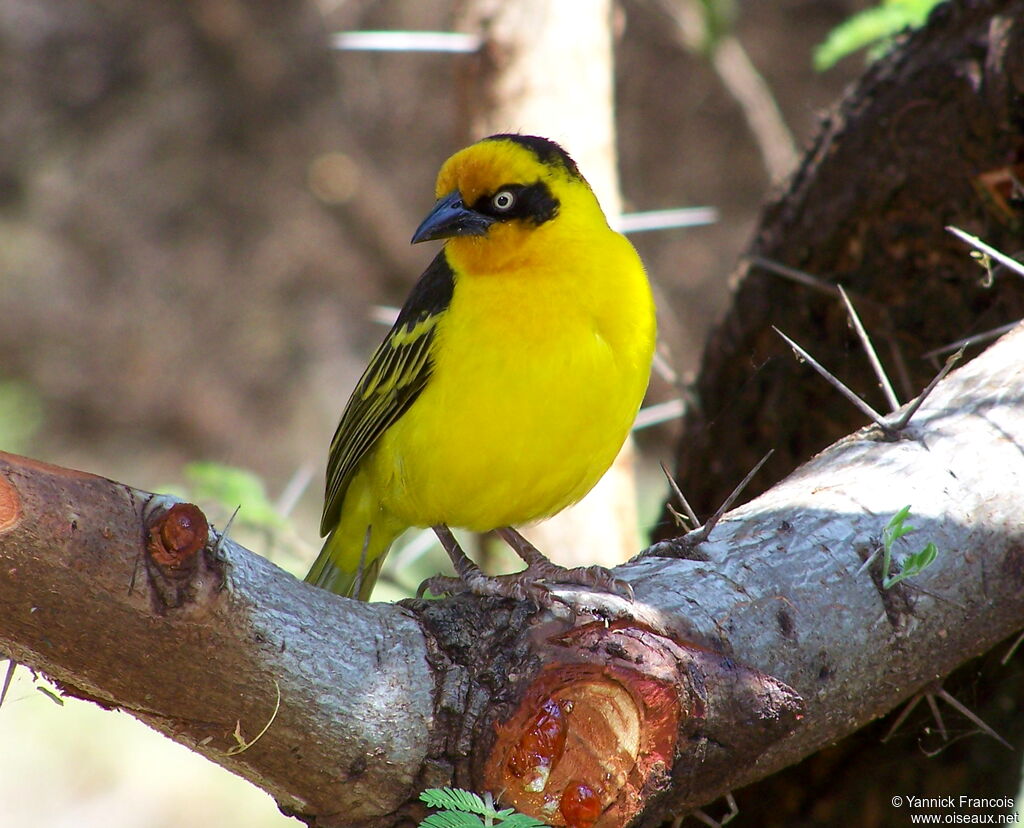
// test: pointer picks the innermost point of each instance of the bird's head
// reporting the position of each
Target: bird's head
(507, 195)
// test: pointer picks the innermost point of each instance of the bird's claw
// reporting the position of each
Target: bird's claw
(535, 583)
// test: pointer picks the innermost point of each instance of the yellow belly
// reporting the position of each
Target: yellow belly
(526, 408)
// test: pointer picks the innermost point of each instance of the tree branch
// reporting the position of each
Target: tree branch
(107, 592)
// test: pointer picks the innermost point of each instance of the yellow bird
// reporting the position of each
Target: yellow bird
(509, 381)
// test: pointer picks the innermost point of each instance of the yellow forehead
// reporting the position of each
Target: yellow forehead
(484, 167)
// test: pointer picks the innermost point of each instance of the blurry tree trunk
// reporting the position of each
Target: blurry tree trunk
(547, 68)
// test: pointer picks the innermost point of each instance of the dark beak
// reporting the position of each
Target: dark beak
(450, 217)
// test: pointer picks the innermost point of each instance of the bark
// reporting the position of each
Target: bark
(723, 671)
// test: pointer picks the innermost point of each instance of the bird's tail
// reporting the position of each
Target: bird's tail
(350, 567)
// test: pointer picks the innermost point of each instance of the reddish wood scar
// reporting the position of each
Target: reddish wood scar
(10, 505)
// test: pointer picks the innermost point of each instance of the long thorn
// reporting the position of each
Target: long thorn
(901, 423)
(11, 667)
(934, 705)
(834, 381)
(701, 533)
(988, 250)
(694, 521)
(956, 705)
(800, 276)
(903, 716)
(869, 349)
(1013, 648)
(967, 341)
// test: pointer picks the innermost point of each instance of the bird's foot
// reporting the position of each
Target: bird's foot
(520, 586)
(535, 583)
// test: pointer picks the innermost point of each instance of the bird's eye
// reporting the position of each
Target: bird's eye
(503, 201)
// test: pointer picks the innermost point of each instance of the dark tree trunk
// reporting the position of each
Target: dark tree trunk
(916, 145)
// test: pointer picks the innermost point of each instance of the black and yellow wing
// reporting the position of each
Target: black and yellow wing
(398, 371)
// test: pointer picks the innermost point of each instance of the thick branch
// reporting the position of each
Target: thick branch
(379, 701)
(79, 602)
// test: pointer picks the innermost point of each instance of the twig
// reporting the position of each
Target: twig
(836, 383)
(869, 349)
(690, 514)
(242, 745)
(697, 536)
(647, 220)
(659, 413)
(988, 250)
(369, 41)
(294, 489)
(742, 80)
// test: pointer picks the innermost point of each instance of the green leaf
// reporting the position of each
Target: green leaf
(913, 564)
(229, 487)
(522, 821)
(456, 799)
(21, 415)
(452, 819)
(916, 563)
(871, 27)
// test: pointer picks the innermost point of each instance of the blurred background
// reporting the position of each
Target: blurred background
(203, 206)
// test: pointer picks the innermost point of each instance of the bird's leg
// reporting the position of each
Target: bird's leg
(472, 579)
(538, 567)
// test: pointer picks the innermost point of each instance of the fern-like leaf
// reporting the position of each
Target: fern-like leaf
(456, 799)
(516, 820)
(452, 819)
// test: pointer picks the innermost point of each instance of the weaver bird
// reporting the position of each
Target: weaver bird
(508, 383)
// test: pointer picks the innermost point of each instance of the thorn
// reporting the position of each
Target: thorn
(868, 562)
(903, 716)
(901, 366)
(224, 535)
(937, 691)
(1005, 659)
(988, 250)
(697, 536)
(690, 514)
(800, 276)
(869, 349)
(967, 341)
(934, 706)
(956, 705)
(11, 667)
(836, 383)
(912, 409)
(710, 821)
(887, 424)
